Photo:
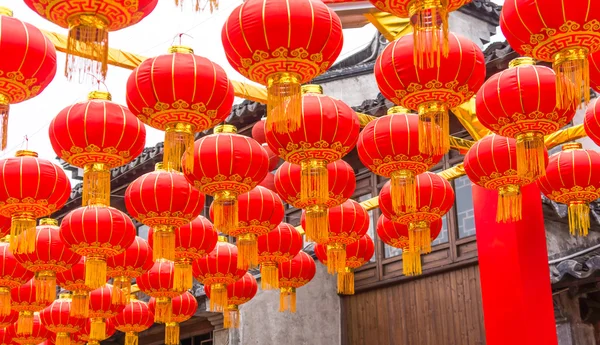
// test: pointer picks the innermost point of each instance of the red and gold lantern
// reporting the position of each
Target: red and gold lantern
(268, 182)
(5, 223)
(136, 317)
(102, 308)
(279, 245)
(184, 307)
(6, 336)
(25, 302)
(58, 320)
(12, 275)
(158, 283)
(591, 121)
(84, 335)
(431, 90)
(242, 291)
(39, 333)
(130, 264)
(294, 274)
(259, 131)
(8, 319)
(74, 281)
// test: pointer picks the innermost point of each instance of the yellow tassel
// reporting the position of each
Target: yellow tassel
(225, 210)
(178, 137)
(284, 103)
(87, 37)
(336, 258)
(121, 291)
(96, 185)
(427, 18)
(95, 272)
(269, 276)
(172, 333)
(317, 223)
(25, 322)
(4, 109)
(231, 317)
(214, 5)
(63, 339)
(218, 297)
(509, 204)
(80, 304)
(434, 128)
(572, 70)
(163, 246)
(163, 310)
(98, 329)
(22, 233)
(579, 218)
(182, 276)
(531, 158)
(45, 287)
(345, 281)
(411, 263)
(131, 338)
(314, 183)
(419, 237)
(247, 252)
(287, 299)
(403, 191)
(4, 301)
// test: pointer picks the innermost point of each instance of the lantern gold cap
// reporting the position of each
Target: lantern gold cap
(64, 295)
(5, 11)
(521, 61)
(26, 153)
(223, 238)
(159, 166)
(5, 239)
(312, 88)
(181, 49)
(225, 129)
(397, 110)
(572, 146)
(48, 221)
(102, 95)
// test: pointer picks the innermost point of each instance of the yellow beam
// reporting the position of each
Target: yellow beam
(390, 26)
(564, 135)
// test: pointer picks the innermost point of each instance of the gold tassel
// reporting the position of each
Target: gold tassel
(45, 287)
(172, 333)
(214, 5)
(163, 246)
(411, 263)
(531, 159)
(231, 317)
(317, 223)
(80, 304)
(25, 322)
(182, 275)
(269, 276)
(131, 338)
(96, 185)
(434, 129)
(572, 70)
(163, 310)
(336, 258)
(4, 109)
(95, 272)
(178, 137)
(121, 291)
(579, 218)
(22, 233)
(225, 210)
(509, 204)
(427, 18)
(4, 301)
(218, 297)
(345, 281)
(403, 191)
(419, 237)
(284, 103)
(98, 328)
(314, 183)
(63, 339)
(247, 252)
(88, 37)
(287, 299)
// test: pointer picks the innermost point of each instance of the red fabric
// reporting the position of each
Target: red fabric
(279, 245)
(180, 87)
(434, 198)
(540, 30)
(241, 291)
(73, 279)
(100, 303)
(7, 320)
(391, 143)
(32, 57)
(297, 272)
(158, 281)
(97, 131)
(33, 184)
(219, 266)
(453, 82)
(273, 157)
(268, 182)
(259, 132)
(591, 121)
(57, 317)
(334, 129)
(357, 253)
(5, 223)
(134, 261)
(401, 8)
(342, 183)
(23, 298)
(163, 198)
(348, 222)
(594, 60)
(83, 335)
(6, 335)
(97, 231)
(183, 307)
(226, 161)
(262, 37)
(194, 240)
(39, 335)
(396, 234)
(135, 317)
(12, 273)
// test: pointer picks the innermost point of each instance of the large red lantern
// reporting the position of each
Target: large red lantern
(57, 319)
(29, 66)
(8, 319)
(163, 200)
(519, 103)
(279, 245)
(102, 308)
(89, 26)
(242, 291)
(74, 280)
(181, 94)
(130, 264)
(158, 283)
(227, 165)
(389, 147)
(573, 178)
(25, 302)
(12, 275)
(183, 308)
(96, 136)
(39, 333)
(564, 35)
(431, 90)
(51, 256)
(136, 317)
(5, 223)
(268, 182)
(97, 232)
(84, 335)
(591, 121)
(294, 274)
(218, 270)
(260, 44)
(6, 336)
(33, 188)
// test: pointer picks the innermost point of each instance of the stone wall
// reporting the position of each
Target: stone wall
(570, 328)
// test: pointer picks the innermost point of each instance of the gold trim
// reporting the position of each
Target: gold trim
(225, 129)
(222, 238)
(5, 11)
(465, 113)
(26, 153)
(48, 221)
(521, 61)
(103, 95)
(390, 26)
(181, 49)
(397, 110)
(572, 146)
(312, 88)
(564, 135)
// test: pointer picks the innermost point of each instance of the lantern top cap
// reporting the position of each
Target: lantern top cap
(5, 11)
(572, 146)
(223, 239)
(521, 61)
(397, 110)
(225, 129)
(48, 221)
(101, 95)
(312, 88)
(159, 166)
(26, 153)
(5, 239)
(181, 49)
(233, 307)
(64, 295)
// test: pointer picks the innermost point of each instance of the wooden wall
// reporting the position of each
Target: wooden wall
(441, 309)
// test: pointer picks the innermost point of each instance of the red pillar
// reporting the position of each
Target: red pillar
(515, 278)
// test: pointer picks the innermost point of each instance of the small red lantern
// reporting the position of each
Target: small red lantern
(102, 308)
(279, 245)
(242, 291)
(259, 131)
(573, 178)
(39, 333)
(268, 182)
(273, 157)
(184, 307)
(12, 275)
(218, 270)
(227, 165)
(158, 283)
(25, 302)
(9, 319)
(57, 319)
(74, 281)
(130, 264)
(591, 121)
(6, 336)
(294, 274)
(84, 335)
(136, 317)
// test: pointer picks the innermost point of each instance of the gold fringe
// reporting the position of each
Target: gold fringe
(411, 263)
(80, 307)
(314, 183)
(4, 301)
(172, 333)
(269, 276)
(572, 70)
(284, 103)
(531, 158)
(121, 290)
(183, 279)
(4, 109)
(218, 297)
(163, 246)
(247, 252)
(131, 338)
(88, 38)
(178, 138)
(22, 233)
(403, 191)
(45, 287)
(96, 185)
(25, 322)
(509, 204)
(163, 310)
(434, 129)
(336, 258)
(95, 272)
(231, 317)
(419, 237)
(579, 218)
(63, 339)
(225, 210)
(345, 281)
(98, 329)
(426, 39)
(214, 5)
(317, 223)
(287, 299)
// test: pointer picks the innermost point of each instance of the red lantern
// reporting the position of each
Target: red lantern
(227, 165)
(184, 307)
(165, 201)
(519, 103)
(273, 157)
(573, 178)
(259, 131)
(51, 256)
(492, 163)
(268, 182)
(84, 335)
(218, 270)
(38, 335)
(24, 301)
(431, 90)
(57, 319)
(130, 264)
(9, 319)
(102, 308)
(260, 44)
(29, 66)
(594, 62)
(33, 188)
(74, 281)
(591, 121)
(294, 274)
(288, 184)
(4, 226)
(158, 283)
(97, 135)
(179, 93)
(279, 245)
(97, 232)
(135, 318)
(563, 35)
(6, 336)
(12, 275)
(242, 291)
(389, 147)
(89, 27)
